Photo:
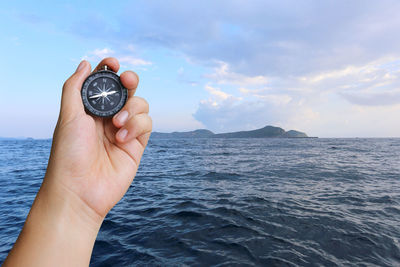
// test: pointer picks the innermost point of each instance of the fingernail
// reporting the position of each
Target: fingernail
(122, 134)
(122, 117)
(80, 66)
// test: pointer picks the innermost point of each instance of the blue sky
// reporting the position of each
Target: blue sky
(329, 68)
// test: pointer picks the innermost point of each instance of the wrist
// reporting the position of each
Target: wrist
(57, 201)
(60, 227)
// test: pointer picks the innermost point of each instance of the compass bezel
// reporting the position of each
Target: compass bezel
(103, 74)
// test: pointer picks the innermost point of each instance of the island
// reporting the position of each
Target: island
(266, 132)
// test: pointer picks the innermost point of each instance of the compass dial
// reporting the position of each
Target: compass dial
(103, 94)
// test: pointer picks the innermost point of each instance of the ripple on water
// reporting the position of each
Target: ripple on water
(271, 202)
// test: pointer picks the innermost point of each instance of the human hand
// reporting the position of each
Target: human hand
(92, 163)
(93, 158)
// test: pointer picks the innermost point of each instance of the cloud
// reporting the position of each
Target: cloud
(302, 63)
(308, 102)
(268, 38)
(376, 83)
(257, 38)
(223, 75)
(225, 112)
(102, 53)
(232, 114)
(134, 61)
(217, 93)
(383, 99)
(98, 54)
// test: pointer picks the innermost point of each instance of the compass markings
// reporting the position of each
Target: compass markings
(104, 95)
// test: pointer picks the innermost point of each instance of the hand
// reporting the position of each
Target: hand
(92, 163)
(95, 158)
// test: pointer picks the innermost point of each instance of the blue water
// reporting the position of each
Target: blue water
(224, 202)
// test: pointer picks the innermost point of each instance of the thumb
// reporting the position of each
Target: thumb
(71, 101)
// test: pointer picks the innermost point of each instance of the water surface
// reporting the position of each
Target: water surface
(224, 202)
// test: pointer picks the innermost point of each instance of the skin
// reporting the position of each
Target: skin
(92, 163)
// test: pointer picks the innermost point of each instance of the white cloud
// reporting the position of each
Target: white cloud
(332, 65)
(98, 54)
(376, 83)
(133, 61)
(341, 102)
(223, 75)
(217, 92)
(278, 100)
(102, 53)
(266, 38)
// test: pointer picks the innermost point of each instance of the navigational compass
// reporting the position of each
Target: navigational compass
(103, 94)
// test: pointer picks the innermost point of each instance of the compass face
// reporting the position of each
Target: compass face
(103, 94)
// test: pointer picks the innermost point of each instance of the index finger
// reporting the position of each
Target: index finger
(111, 62)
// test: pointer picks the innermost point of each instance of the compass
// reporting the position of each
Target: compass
(103, 94)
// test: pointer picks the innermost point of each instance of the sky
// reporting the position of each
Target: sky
(327, 68)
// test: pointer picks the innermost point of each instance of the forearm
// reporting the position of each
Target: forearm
(60, 230)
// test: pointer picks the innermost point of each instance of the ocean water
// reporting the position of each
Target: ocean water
(227, 202)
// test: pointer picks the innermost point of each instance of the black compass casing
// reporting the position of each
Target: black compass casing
(103, 94)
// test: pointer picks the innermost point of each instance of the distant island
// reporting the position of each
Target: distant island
(266, 132)
(15, 138)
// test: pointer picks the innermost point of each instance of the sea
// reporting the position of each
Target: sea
(235, 202)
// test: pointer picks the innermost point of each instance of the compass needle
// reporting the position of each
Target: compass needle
(111, 93)
(95, 96)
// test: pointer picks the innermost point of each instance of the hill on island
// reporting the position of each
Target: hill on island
(266, 132)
